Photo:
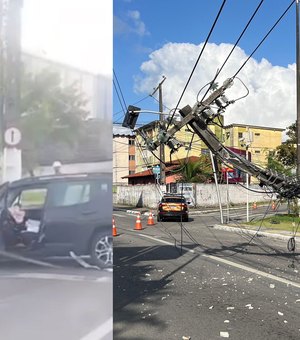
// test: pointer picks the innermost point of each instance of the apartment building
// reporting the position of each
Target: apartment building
(124, 153)
(259, 140)
(96, 88)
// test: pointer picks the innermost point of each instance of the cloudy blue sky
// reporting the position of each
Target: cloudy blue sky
(153, 38)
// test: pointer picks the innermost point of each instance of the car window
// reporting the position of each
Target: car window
(173, 200)
(31, 198)
(68, 194)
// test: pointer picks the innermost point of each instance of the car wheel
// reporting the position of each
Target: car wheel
(102, 251)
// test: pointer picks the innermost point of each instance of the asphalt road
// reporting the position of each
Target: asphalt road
(175, 281)
(54, 299)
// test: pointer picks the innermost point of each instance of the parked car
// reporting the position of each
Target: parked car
(173, 206)
(54, 215)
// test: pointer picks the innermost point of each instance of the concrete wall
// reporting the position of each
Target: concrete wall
(205, 195)
(137, 195)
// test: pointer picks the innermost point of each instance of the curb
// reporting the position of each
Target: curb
(254, 232)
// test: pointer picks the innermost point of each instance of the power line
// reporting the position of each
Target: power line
(264, 38)
(233, 48)
(120, 88)
(120, 101)
(122, 112)
(140, 100)
(201, 52)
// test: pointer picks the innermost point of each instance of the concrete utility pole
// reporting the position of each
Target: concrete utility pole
(10, 87)
(161, 120)
(298, 88)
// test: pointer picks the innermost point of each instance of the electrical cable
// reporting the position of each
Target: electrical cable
(119, 88)
(276, 23)
(119, 98)
(164, 106)
(140, 100)
(252, 190)
(235, 100)
(197, 61)
(233, 48)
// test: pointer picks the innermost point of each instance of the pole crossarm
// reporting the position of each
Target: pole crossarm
(192, 114)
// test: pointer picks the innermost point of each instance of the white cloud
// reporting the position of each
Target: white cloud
(76, 32)
(135, 15)
(272, 98)
(139, 26)
(131, 23)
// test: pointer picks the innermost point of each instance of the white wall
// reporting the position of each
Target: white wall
(205, 195)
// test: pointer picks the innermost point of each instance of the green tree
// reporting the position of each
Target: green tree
(51, 115)
(274, 164)
(196, 172)
(286, 153)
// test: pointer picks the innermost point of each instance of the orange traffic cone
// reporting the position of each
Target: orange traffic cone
(273, 205)
(150, 219)
(254, 205)
(138, 223)
(114, 229)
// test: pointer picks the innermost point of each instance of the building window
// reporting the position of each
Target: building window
(131, 172)
(131, 157)
(257, 134)
(257, 151)
(131, 142)
(240, 134)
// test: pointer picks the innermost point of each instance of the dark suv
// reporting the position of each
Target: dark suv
(173, 206)
(55, 215)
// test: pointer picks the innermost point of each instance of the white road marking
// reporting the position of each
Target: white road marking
(224, 334)
(232, 264)
(101, 331)
(26, 259)
(59, 277)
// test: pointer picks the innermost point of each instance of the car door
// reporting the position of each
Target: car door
(3, 195)
(69, 210)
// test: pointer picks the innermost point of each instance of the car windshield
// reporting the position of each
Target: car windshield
(173, 200)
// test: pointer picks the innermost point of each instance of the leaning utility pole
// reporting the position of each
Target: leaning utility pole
(298, 88)
(161, 121)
